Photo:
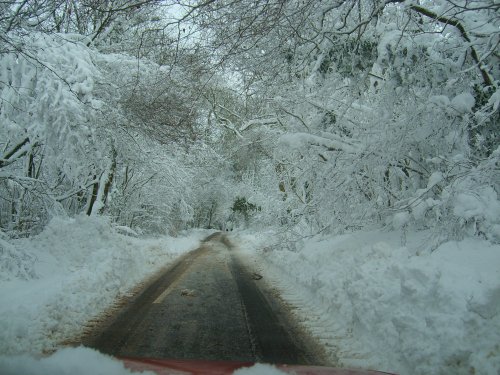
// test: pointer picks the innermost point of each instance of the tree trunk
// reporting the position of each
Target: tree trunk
(93, 197)
(101, 189)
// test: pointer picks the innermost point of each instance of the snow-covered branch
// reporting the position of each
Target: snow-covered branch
(328, 141)
(16, 152)
(257, 122)
(488, 81)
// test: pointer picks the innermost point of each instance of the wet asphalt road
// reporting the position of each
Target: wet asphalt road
(207, 306)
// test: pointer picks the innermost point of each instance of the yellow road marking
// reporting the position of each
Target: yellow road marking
(171, 287)
(165, 293)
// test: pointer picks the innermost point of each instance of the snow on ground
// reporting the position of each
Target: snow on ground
(85, 361)
(376, 304)
(74, 270)
(259, 369)
(67, 361)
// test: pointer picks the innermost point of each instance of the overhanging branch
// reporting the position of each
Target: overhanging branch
(463, 33)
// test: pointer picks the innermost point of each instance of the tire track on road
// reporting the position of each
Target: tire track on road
(207, 306)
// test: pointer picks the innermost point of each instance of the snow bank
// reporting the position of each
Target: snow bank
(259, 369)
(379, 305)
(68, 361)
(85, 361)
(81, 266)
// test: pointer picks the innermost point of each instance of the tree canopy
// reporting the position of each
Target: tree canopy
(327, 115)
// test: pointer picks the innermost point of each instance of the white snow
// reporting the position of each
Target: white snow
(372, 302)
(440, 101)
(482, 202)
(70, 273)
(300, 141)
(259, 369)
(463, 102)
(494, 101)
(400, 219)
(460, 104)
(67, 361)
(413, 151)
(85, 361)
(434, 179)
(376, 304)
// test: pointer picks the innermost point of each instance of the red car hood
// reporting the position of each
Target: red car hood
(177, 367)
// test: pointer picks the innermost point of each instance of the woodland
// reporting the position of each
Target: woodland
(309, 116)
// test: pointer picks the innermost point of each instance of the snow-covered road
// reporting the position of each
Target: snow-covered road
(373, 302)
(207, 306)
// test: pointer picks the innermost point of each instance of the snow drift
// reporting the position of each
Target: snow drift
(379, 305)
(75, 269)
